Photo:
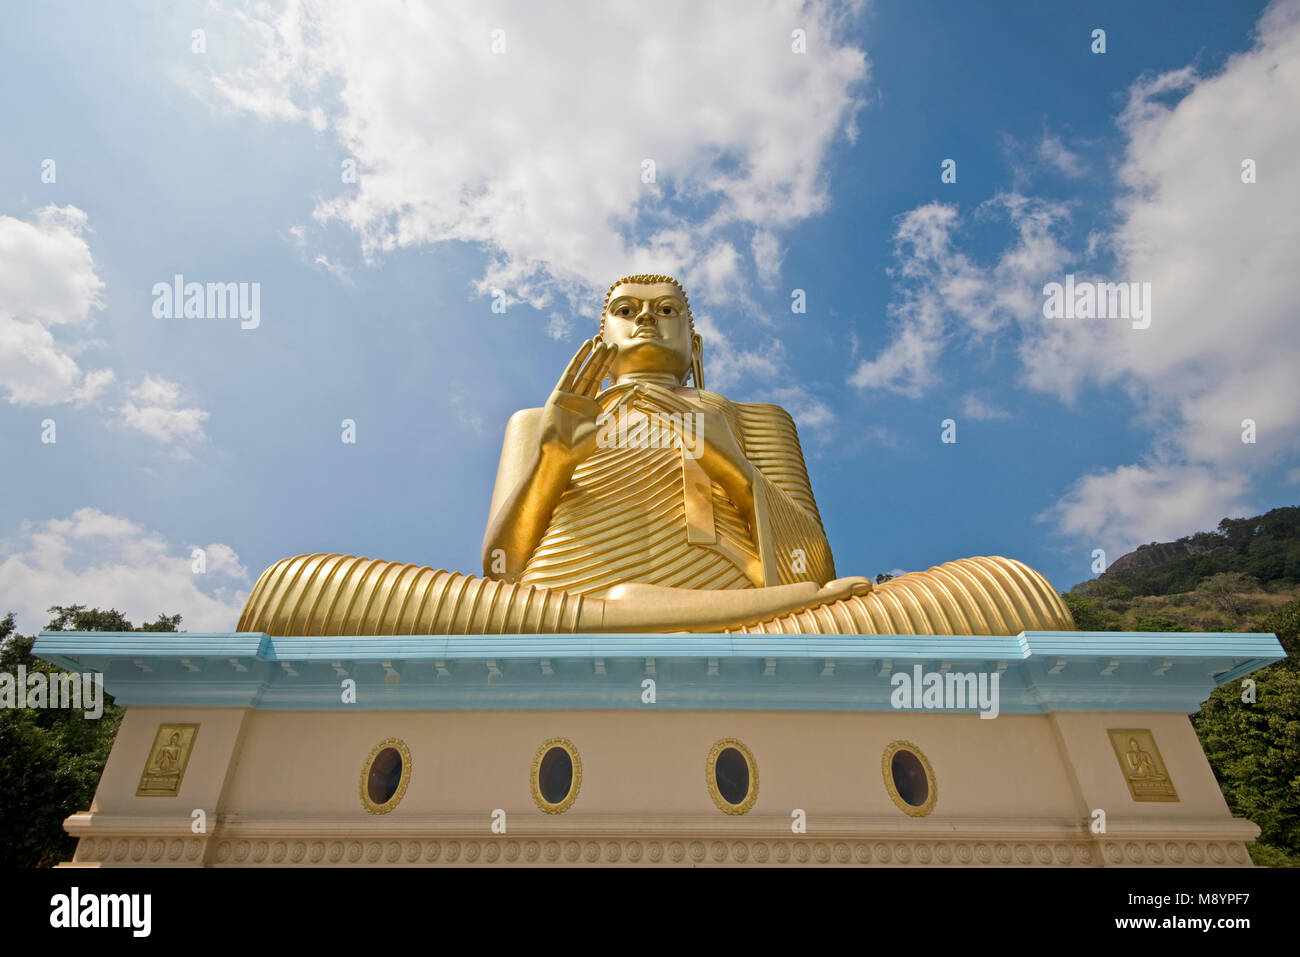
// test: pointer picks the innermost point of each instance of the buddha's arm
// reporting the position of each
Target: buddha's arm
(529, 484)
(792, 527)
(542, 449)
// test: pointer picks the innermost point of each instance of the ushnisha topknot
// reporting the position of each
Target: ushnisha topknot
(646, 278)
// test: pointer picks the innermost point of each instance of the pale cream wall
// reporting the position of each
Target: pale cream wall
(309, 763)
(1013, 791)
(205, 776)
(1102, 782)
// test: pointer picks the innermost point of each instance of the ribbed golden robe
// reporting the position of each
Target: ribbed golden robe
(646, 512)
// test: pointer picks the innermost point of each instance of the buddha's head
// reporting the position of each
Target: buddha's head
(649, 319)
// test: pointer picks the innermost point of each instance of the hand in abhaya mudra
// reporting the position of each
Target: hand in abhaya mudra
(568, 427)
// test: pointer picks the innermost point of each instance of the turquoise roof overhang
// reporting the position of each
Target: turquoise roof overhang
(1037, 671)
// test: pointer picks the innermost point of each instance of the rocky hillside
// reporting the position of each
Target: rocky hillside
(1226, 580)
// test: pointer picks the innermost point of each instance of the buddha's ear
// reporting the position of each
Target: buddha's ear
(697, 359)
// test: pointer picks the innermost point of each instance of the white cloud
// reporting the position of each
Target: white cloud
(727, 364)
(1220, 257)
(767, 253)
(982, 409)
(1132, 504)
(942, 294)
(1053, 151)
(47, 281)
(558, 326)
(537, 153)
(153, 408)
(337, 270)
(48, 286)
(813, 416)
(46, 270)
(106, 561)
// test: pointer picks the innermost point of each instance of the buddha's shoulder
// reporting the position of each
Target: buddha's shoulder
(717, 398)
(524, 418)
(766, 413)
(523, 427)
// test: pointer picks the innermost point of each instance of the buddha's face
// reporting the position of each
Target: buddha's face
(649, 324)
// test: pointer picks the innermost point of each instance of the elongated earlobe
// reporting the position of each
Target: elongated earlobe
(697, 360)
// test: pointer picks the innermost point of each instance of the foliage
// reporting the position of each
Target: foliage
(51, 759)
(1265, 548)
(1091, 615)
(1254, 748)
(1243, 577)
(1158, 623)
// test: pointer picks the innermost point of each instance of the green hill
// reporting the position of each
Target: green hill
(1230, 579)
(1243, 577)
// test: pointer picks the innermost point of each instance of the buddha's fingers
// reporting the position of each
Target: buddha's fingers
(845, 588)
(571, 371)
(591, 374)
(594, 374)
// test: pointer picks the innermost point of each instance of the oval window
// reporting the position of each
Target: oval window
(909, 779)
(557, 774)
(732, 776)
(385, 775)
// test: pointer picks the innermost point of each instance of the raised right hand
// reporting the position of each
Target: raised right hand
(568, 427)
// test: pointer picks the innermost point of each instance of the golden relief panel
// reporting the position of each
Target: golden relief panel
(1144, 769)
(164, 769)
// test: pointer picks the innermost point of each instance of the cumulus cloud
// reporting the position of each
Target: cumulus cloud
(1053, 151)
(1120, 508)
(558, 326)
(684, 141)
(1219, 254)
(47, 281)
(982, 409)
(941, 293)
(100, 560)
(154, 408)
(49, 293)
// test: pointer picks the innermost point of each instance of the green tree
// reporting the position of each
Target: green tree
(1225, 590)
(1254, 747)
(1089, 614)
(51, 759)
(1159, 623)
(76, 618)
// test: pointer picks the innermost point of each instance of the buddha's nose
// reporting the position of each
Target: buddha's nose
(646, 315)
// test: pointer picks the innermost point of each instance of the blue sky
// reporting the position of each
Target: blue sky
(521, 171)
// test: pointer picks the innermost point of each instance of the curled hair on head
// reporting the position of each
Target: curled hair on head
(646, 279)
(697, 365)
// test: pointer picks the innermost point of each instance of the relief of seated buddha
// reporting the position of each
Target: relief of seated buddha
(648, 506)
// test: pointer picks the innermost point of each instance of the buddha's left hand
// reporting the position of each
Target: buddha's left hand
(706, 436)
(711, 441)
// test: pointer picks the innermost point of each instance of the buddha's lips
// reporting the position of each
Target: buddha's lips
(647, 332)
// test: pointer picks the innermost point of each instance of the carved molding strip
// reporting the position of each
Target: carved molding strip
(288, 851)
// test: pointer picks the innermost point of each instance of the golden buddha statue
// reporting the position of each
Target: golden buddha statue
(648, 507)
